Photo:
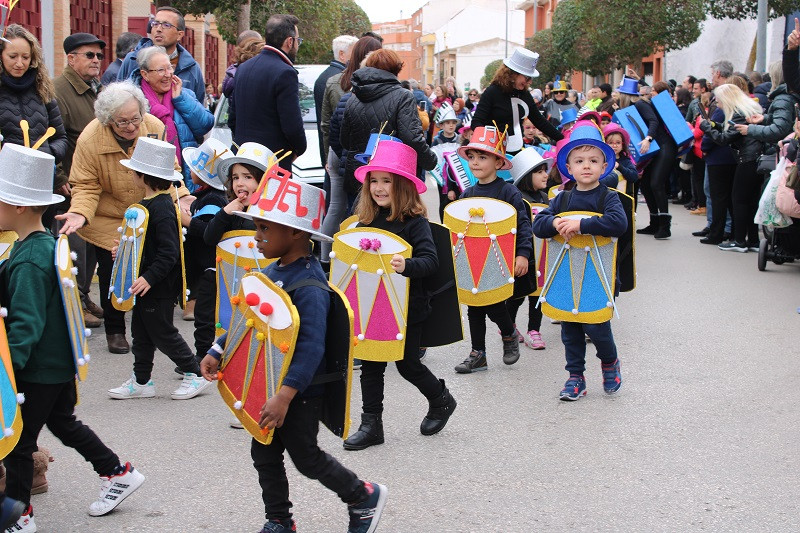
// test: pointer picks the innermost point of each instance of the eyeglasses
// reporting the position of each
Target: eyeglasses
(90, 55)
(165, 25)
(162, 71)
(299, 40)
(125, 123)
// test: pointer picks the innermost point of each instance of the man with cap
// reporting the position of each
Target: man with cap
(76, 91)
(126, 42)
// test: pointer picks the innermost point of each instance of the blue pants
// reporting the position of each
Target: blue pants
(573, 337)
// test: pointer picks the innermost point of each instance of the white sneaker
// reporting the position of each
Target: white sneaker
(131, 389)
(114, 489)
(191, 386)
(25, 524)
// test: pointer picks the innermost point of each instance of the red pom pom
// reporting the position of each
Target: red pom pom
(219, 259)
(235, 300)
(266, 309)
(252, 299)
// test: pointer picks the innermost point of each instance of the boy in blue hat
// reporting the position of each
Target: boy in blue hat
(585, 159)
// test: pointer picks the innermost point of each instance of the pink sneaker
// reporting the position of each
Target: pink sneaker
(533, 340)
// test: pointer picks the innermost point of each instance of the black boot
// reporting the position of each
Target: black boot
(664, 227)
(369, 433)
(439, 412)
(652, 228)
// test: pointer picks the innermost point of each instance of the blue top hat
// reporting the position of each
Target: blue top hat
(629, 86)
(370, 150)
(585, 132)
(568, 116)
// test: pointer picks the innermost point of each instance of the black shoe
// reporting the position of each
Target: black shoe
(664, 228)
(727, 236)
(117, 343)
(369, 433)
(679, 201)
(439, 412)
(652, 228)
(475, 362)
(690, 205)
(511, 349)
(709, 240)
(702, 233)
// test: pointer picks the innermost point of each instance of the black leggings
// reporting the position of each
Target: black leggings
(655, 177)
(497, 313)
(720, 187)
(746, 194)
(698, 177)
(534, 313)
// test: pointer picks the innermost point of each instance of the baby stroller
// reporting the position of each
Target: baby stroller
(779, 245)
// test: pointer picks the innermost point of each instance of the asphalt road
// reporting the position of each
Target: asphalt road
(701, 436)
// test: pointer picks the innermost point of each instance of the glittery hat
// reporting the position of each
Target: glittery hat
(584, 133)
(488, 139)
(26, 176)
(445, 112)
(523, 61)
(395, 158)
(251, 153)
(372, 143)
(154, 157)
(205, 161)
(525, 161)
(288, 202)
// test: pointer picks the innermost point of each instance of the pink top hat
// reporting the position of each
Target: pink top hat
(395, 158)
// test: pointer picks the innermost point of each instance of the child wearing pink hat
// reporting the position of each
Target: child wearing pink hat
(390, 200)
(619, 139)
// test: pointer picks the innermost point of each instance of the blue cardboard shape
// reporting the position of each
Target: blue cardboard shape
(631, 121)
(672, 119)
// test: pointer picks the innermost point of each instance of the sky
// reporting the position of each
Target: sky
(388, 10)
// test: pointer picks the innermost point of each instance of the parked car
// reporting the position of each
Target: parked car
(307, 167)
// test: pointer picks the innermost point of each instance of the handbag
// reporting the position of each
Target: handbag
(766, 163)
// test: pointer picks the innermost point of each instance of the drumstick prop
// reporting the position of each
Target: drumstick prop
(47, 134)
(25, 134)
(606, 286)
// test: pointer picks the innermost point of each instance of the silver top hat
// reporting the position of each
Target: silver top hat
(205, 161)
(524, 62)
(26, 176)
(250, 153)
(155, 158)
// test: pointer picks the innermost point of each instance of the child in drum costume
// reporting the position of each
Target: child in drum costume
(294, 411)
(390, 200)
(586, 159)
(486, 155)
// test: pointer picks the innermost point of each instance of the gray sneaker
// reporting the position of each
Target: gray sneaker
(511, 349)
(475, 362)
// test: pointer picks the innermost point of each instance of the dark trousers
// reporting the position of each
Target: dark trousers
(53, 405)
(745, 196)
(573, 335)
(298, 436)
(497, 313)
(114, 320)
(409, 367)
(655, 178)
(151, 328)
(720, 185)
(204, 323)
(698, 176)
(684, 181)
(86, 263)
(534, 313)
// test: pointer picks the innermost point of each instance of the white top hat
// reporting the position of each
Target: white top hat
(254, 154)
(288, 202)
(524, 62)
(205, 161)
(525, 161)
(445, 112)
(26, 176)
(155, 158)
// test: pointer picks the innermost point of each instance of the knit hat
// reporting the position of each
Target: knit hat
(251, 153)
(205, 162)
(26, 176)
(153, 157)
(488, 139)
(585, 133)
(395, 158)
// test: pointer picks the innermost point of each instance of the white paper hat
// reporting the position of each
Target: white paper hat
(26, 176)
(445, 112)
(205, 161)
(525, 161)
(155, 158)
(523, 61)
(254, 154)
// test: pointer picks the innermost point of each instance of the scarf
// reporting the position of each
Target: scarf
(162, 109)
(21, 84)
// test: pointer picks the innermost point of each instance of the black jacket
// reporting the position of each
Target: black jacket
(223, 223)
(161, 264)
(791, 70)
(378, 99)
(266, 104)
(319, 92)
(199, 255)
(495, 107)
(23, 102)
(336, 129)
(745, 147)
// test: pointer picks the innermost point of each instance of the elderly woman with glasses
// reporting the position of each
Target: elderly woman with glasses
(102, 189)
(176, 106)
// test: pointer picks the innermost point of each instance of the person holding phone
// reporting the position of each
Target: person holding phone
(173, 104)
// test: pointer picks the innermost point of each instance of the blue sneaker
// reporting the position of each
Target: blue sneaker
(574, 388)
(612, 379)
(364, 516)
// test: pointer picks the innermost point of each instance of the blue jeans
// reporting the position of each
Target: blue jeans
(573, 337)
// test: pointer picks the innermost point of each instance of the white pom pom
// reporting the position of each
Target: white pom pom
(399, 336)
(492, 236)
(237, 405)
(543, 299)
(87, 357)
(474, 290)
(511, 279)
(81, 361)
(360, 336)
(614, 239)
(187, 292)
(332, 254)
(183, 239)
(74, 270)
(354, 267)
(379, 272)
(8, 432)
(71, 284)
(130, 291)
(141, 230)
(73, 256)
(567, 246)
(123, 239)
(460, 235)
(513, 231)
(120, 300)
(65, 282)
(184, 231)
(538, 274)
(574, 311)
(119, 229)
(111, 289)
(87, 332)
(20, 397)
(587, 249)
(609, 304)
(3, 312)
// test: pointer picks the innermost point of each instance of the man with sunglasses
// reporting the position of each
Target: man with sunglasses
(167, 29)
(76, 91)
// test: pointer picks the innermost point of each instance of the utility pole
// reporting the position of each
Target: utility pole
(506, 28)
(761, 37)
